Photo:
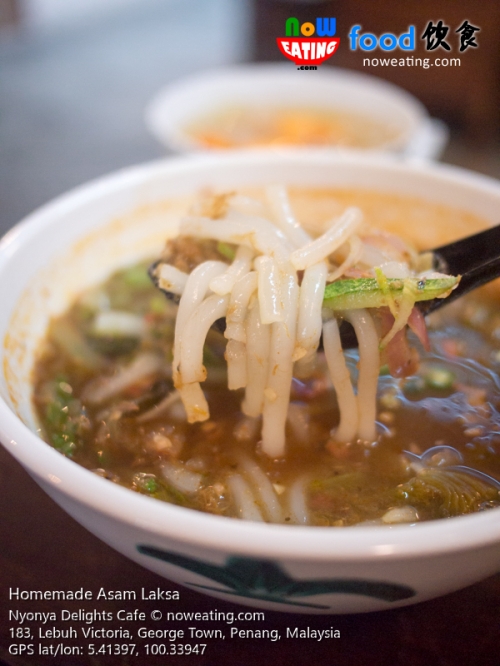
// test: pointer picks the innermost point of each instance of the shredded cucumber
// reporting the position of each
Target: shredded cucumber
(367, 292)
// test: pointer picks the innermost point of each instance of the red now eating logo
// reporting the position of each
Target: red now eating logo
(309, 50)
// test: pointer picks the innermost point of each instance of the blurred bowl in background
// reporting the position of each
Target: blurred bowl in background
(268, 105)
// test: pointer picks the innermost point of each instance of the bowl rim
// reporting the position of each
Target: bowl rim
(162, 520)
(171, 134)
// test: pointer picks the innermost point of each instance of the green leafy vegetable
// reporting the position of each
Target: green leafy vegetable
(452, 491)
(439, 378)
(137, 276)
(226, 250)
(145, 483)
(62, 414)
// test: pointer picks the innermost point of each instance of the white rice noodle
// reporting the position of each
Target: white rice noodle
(341, 379)
(271, 237)
(247, 205)
(355, 249)
(143, 366)
(369, 366)
(177, 412)
(193, 294)
(297, 504)
(263, 488)
(277, 196)
(395, 269)
(163, 407)
(310, 322)
(258, 336)
(277, 391)
(243, 498)
(254, 232)
(172, 279)
(194, 402)
(191, 367)
(236, 364)
(223, 284)
(269, 288)
(181, 478)
(270, 324)
(372, 256)
(238, 306)
(337, 234)
(118, 323)
(298, 420)
(305, 366)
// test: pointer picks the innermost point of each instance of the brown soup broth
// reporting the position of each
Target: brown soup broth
(452, 402)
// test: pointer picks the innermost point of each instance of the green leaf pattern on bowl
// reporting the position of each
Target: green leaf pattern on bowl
(266, 580)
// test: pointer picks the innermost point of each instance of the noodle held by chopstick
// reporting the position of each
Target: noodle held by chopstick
(272, 294)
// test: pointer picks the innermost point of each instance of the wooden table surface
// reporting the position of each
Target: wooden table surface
(71, 109)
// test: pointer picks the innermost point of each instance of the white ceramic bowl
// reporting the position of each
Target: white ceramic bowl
(169, 115)
(77, 240)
